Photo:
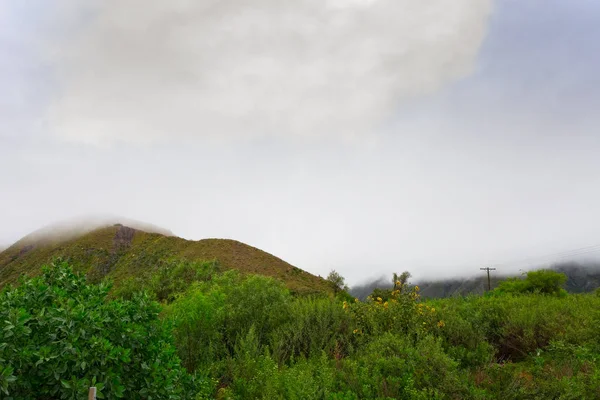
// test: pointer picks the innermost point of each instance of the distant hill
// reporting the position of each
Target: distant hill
(119, 252)
(582, 277)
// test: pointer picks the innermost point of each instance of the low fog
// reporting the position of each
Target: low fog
(583, 275)
(368, 137)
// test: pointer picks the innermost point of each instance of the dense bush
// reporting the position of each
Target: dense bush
(542, 281)
(59, 336)
(168, 279)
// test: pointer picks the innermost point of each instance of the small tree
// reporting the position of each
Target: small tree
(337, 281)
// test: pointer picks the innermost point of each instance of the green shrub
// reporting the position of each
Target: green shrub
(168, 279)
(198, 320)
(60, 335)
(313, 326)
(306, 379)
(393, 366)
(542, 281)
(250, 367)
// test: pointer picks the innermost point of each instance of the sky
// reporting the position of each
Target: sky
(366, 136)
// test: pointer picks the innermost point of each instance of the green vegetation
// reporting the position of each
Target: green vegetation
(543, 282)
(120, 253)
(227, 335)
(337, 282)
(59, 336)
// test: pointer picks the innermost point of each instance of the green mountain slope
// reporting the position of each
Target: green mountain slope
(119, 252)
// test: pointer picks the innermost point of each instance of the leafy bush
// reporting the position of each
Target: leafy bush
(542, 281)
(168, 279)
(314, 326)
(198, 319)
(393, 366)
(60, 335)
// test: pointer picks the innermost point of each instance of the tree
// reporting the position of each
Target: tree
(400, 280)
(337, 281)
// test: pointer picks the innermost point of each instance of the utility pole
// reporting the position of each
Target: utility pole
(488, 269)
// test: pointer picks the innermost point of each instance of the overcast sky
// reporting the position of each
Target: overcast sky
(368, 136)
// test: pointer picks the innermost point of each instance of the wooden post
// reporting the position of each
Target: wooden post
(92, 394)
(488, 269)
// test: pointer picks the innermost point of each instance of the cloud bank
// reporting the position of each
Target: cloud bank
(145, 70)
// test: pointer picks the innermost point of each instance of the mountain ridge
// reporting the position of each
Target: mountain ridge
(119, 252)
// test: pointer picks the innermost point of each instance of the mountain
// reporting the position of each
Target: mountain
(120, 251)
(582, 277)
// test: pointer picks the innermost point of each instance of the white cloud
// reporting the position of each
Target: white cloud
(141, 70)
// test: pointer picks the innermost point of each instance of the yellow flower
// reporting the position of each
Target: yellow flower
(356, 300)
(432, 309)
(417, 288)
(355, 331)
(398, 283)
(385, 304)
(441, 324)
(345, 305)
(379, 299)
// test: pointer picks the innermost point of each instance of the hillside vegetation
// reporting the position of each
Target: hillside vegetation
(119, 252)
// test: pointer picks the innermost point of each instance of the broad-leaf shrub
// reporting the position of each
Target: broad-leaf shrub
(60, 335)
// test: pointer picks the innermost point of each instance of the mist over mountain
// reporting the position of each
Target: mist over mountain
(582, 277)
(71, 228)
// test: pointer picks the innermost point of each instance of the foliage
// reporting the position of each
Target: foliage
(248, 337)
(394, 366)
(399, 281)
(337, 282)
(542, 281)
(400, 285)
(168, 279)
(59, 336)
